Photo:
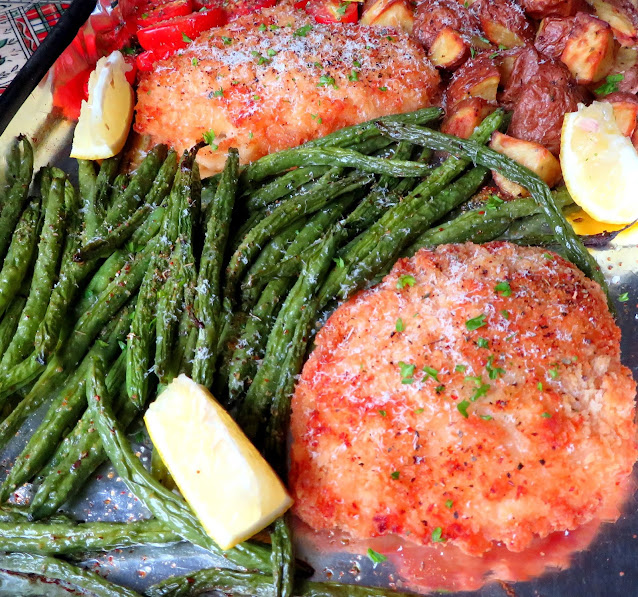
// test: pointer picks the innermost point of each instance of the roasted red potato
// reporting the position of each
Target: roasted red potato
(432, 16)
(390, 13)
(625, 110)
(540, 100)
(466, 116)
(634, 138)
(552, 35)
(622, 15)
(539, 9)
(503, 22)
(531, 155)
(478, 77)
(590, 49)
(449, 49)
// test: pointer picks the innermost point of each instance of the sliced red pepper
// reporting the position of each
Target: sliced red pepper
(177, 32)
(146, 60)
(130, 74)
(68, 96)
(331, 11)
(176, 8)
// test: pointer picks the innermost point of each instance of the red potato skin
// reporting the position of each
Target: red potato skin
(431, 16)
(552, 35)
(373, 456)
(474, 72)
(466, 116)
(506, 13)
(539, 9)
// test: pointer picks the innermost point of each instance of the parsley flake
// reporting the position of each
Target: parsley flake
(395, 475)
(271, 52)
(503, 288)
(505, 313)
(539, 386)
(209, 137)
(553, 373)
(546, 415)
(354, 75)
(407, 372)
(624, 297)
(339, 261)
(383, 88)
(262, 27)
(493, 201)
(405, 280)
(480, 391)
(326, 81)
(303, 31)
(462, 407)
(356, 64)
(376, 557)
(227, 40)
(431, 372)
(399, 327)
(437, 535)
(194, 62)
(475, 323)
(482, 343)
(610, 85)
(219, 93)
(418, 411)
(460, 368)
(383, 413)
(186, 38)
(487, 417)
(449, 503)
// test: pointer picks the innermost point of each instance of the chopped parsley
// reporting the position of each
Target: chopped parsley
(219, 93)
(482, 343)
(356, 64)
(376, 557)
(399, 327)
(439, 389)
(121, 344)
(383, 413)
(418, 411)
(610, 85)
(405, 280)
(303, 31)
(503, 288)
(487, 417)
(354, 75)
(484, 40)
(475, 323)
(493, 201)
(186, 38)
(505, 313)
(407, 372)
(383, 88)
(395, 475)
(480, 391)
(493, 372)
(431, 372)
(227, 40)
(462, 407)
(209, 138)
(256, 97)
(624, 297)
(539, 386)
(546, 415)
(437, 535)
(341, 9)
(553, 373)
(262, 27)
(339, 261)
(449, 503)
(472, 52)
(326, 81)
(460, 368)
(194, 62)
(274, 27)
(271, 52)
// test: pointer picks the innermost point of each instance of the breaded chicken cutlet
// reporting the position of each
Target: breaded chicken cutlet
(276, 79)
(475, 396)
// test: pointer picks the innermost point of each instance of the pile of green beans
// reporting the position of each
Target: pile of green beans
(135, 275)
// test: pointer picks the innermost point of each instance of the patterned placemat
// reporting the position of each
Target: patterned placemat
(23, 26)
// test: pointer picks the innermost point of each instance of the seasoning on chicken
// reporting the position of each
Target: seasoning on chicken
(274, 80)
(475, 396)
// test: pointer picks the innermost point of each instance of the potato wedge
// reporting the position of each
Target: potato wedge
(449, 49)
(623, 18)
(389, 13)
(531, 155)
(590, 49)
(552, 34)
(467, 115)
(478, 77)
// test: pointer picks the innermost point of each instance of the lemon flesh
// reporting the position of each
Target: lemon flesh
(105, 118)
(231, 488)
(599, 164)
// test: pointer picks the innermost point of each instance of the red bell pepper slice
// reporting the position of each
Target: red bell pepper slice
(177, 8)
(145, 61)
(330, 11)
(68, 96)
(177, 32)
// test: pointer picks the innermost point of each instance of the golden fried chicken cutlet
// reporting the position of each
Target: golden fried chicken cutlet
(276, 79)
(475, 396)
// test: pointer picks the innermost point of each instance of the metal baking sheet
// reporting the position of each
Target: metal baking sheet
(594, 561)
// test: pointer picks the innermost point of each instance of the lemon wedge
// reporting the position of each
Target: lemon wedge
(105, 118)
(233, 491)
(599, 164)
